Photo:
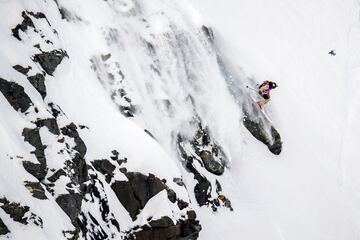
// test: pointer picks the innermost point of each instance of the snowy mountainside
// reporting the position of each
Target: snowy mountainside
(311, 190)
(115, 121)
(130, 119)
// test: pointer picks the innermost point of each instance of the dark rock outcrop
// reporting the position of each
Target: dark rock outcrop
(55, 110)
(56, 175)
(165, 229)
(182, 204)
(37, 15)
(38, 82)
(3, 228)
(22, 69)
(50, 60)
(15, 210)
(70, 204)
(23, 26)
(210, 163)
(144, 187)
(208, 33)
(78, 163)
(203, 188)
(258, 130)
(89, 226)
(80, 168)
(32, 136)
(161, 229)
(18, 212)
(127, 198)
(36, 189)
(39, 171)
(135, 193)
(50, 123)
(15, 95)
(179, 182)
(71, 131)
(190, 227)
(214, 159)
(105, 167)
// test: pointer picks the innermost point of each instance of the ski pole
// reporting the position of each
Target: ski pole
(252, 88)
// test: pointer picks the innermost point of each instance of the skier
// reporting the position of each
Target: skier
(264, 91)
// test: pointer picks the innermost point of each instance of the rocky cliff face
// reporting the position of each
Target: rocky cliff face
(111, 108)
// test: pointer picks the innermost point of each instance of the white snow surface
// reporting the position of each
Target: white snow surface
(310, 191)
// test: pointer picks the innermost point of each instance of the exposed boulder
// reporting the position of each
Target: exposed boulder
(182, 204)
(50, 60)
(15, 95)
(210, 163)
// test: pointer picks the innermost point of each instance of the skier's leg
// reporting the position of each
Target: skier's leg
(265, 99)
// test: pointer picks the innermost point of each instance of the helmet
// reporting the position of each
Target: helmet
(273, 85)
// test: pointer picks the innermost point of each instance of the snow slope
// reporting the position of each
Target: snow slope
(150, 80)
(311, 190)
